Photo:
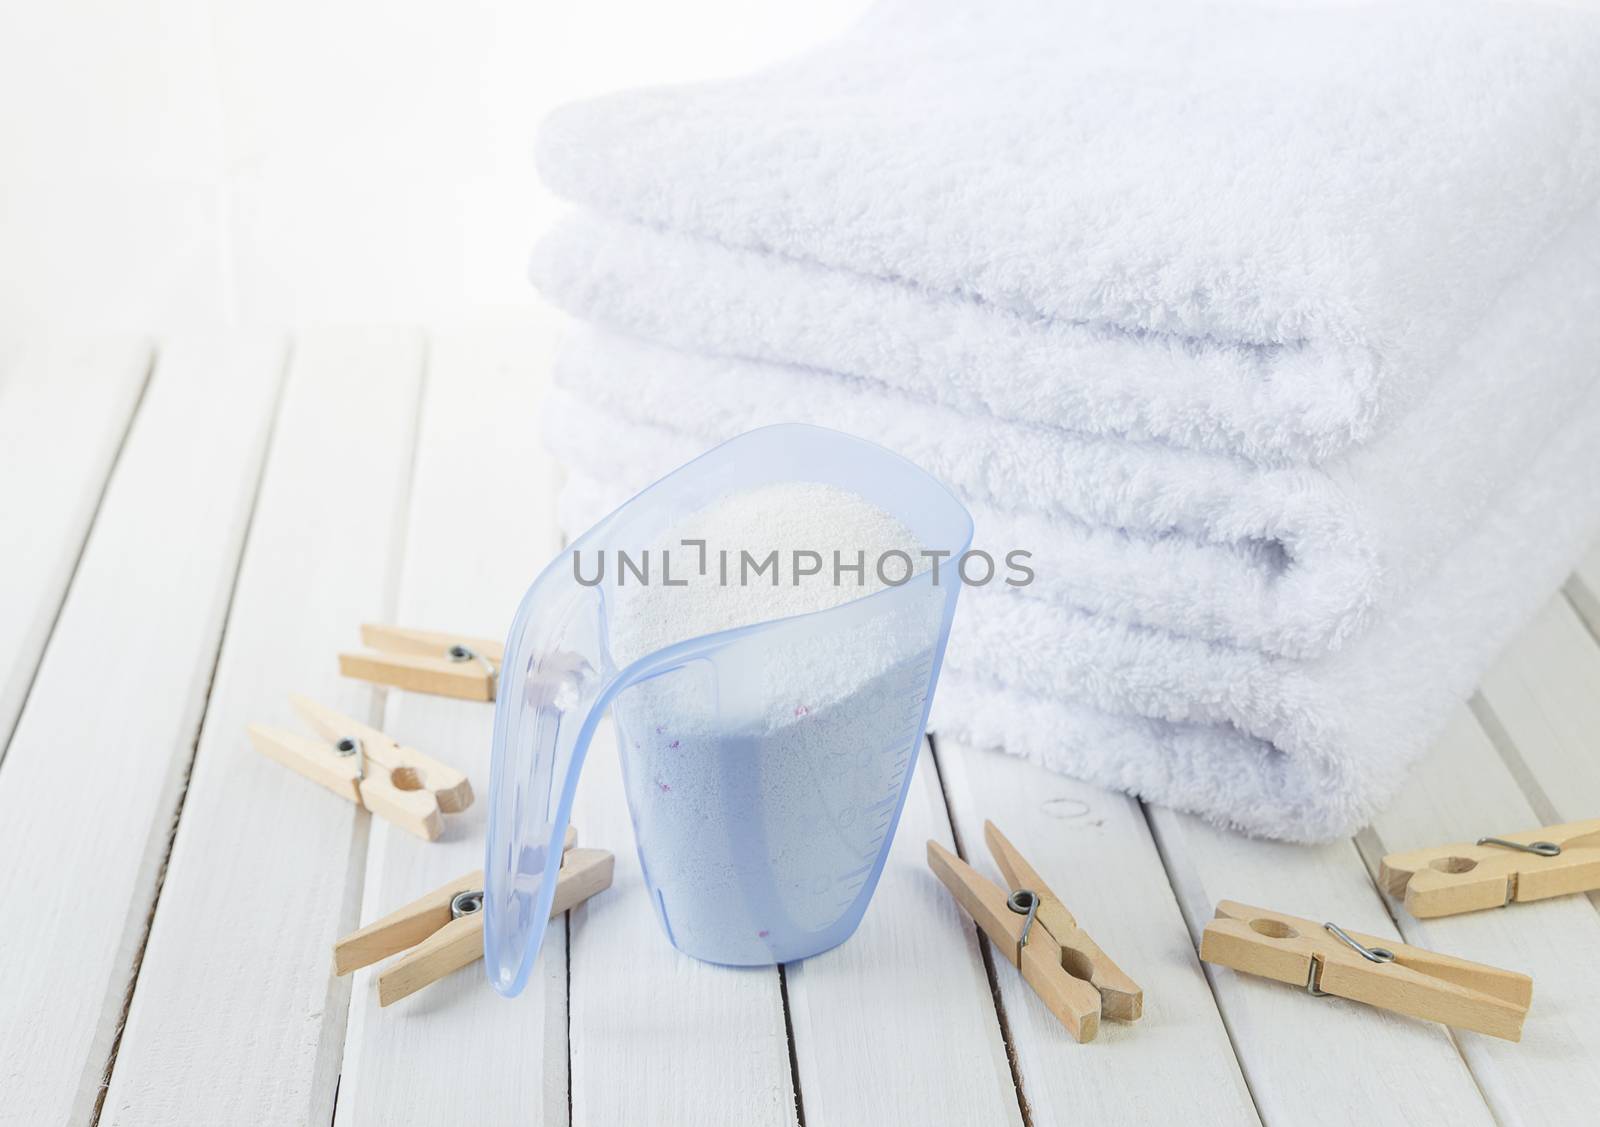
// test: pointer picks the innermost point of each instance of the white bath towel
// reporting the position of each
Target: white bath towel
(1293, 560)
(1302, 750)
(1276, 225)
(1174, 264)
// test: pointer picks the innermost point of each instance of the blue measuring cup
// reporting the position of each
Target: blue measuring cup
(765, 766)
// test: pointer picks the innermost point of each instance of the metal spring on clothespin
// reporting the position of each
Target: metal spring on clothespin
(1542, 848)
(1372, 954)
(459, 653)
(1024, 902)
(351, 745)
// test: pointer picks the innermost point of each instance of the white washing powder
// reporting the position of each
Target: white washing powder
(764, 783)
(787, 518)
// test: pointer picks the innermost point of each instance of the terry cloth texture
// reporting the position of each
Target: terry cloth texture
(1302, 750)
(1257, 326)
(1293, 559)
(1319, 203)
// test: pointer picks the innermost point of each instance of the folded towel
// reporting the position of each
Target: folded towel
(1290, 560)
(1263, 329)
(1302, 750)
(1293, 217)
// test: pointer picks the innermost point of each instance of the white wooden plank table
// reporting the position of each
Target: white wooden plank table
(1313, 1059)
(450, 574)
(95, 768)
(673, 1040)
(1095, 851)
(1552, 1075)
(289, 854)
(898, 1023)
(195, 527)
(64, 409)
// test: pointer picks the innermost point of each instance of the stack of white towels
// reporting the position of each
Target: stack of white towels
(1272, 332)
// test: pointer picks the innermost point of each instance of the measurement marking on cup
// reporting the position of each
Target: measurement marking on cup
(848, 900)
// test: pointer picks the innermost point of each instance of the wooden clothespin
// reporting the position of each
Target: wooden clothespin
(1037, 934)
(1326, 959)
(424, 661)
(1494, 871)
(370, 769)
(444, 929)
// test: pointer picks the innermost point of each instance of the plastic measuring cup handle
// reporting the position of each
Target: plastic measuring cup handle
(552, 692)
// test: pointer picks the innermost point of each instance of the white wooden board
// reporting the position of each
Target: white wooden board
(658, 1037)
(1094, 850)
(393, 495)
(1461, 792)
(97, 762)
(64, 409)
(265, 868)
(481, 523)
(1317, 1060)
(898, 1025)
(1543, 699)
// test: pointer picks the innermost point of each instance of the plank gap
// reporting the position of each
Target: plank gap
(83, 546)
(399, 557)
(983, 947)
(1163, 854)
(1500, 738)
(1585, 602)
(200, 722)
(950, 814)
(1588, 613)
(341, 988)
(794, 1057)
(566, 930)
(1371, 851)
(336, 1031)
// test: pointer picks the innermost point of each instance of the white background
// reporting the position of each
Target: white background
(173, 164)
